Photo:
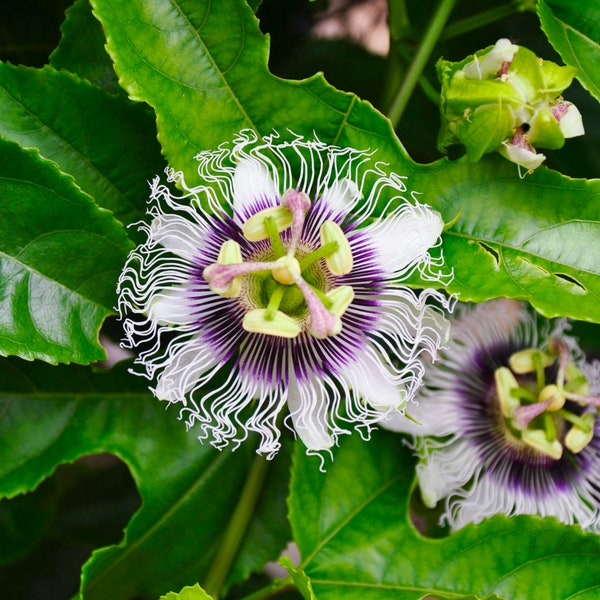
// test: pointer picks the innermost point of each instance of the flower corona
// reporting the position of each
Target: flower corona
(276, 282)
(507, 422)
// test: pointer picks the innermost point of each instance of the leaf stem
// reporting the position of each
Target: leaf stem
(275, 587)
(485, 18)
(236, 529)
(432, 34)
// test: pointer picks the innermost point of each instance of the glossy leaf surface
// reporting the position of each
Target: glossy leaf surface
(573, 28)
(107, 144)
(357, 543)
(188, 489)
(205, 99)
(60, 256)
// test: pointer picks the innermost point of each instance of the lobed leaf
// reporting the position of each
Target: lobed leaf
(81, 50)
(357, 543)
(188, 490)
(193, 592)
(60, 256)
(536, 239)
(205, 87)
(573, 29)
(107, 144)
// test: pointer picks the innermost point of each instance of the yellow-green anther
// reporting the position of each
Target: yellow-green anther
(553, 393)
(231, 254)
(525, 361)
(254, 228)
(281, 325)
(576, 380)
(579, 436)
(339, 262)
(287, 270)
(536, 438)
(505, 383)
(340, 299)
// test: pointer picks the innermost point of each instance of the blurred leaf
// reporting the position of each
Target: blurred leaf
(60, 256)
(23, 520)
(81, 50)
(194, 592)
(356, 542)
(573, 28)
(269, 531)
(188, 490)
(298, 576)
(107, 144)
(536, 239)
(203, 67)
(83, 506)
(206, 87)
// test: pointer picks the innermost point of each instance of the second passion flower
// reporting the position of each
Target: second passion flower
(277, 283)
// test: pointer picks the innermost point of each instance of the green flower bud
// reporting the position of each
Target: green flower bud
(506, 99)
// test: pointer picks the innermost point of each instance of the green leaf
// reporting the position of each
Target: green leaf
(269, 531)
(23, 520)
(188, 490)
(107, 144)
(60, 257)
(193, 592)
(81, 50)
(573, 28)
(203, 67)
(356, 541)
(205, 86)
(298, 576)
(531, 239)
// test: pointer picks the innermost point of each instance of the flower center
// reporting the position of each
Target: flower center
(284, 289)
(546, 415)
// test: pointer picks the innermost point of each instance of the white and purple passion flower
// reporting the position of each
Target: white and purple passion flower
(274, 284)
(507, 421)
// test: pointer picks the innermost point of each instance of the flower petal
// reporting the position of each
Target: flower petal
(446, 471)
(172, 306)
(307, 403)
(253, 187)
(177, 235)
(190, 364)
(403, 238)
(342, 195)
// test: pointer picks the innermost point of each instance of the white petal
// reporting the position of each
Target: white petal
(403, 238)
(171, 306)
(189, 365)
(342, 195)
(177, 234)
(521, 156)
(370, 379)
(447, 470)
(491, 62)
(251, 183)
(307, 403)
(429, 415)
(571, 123)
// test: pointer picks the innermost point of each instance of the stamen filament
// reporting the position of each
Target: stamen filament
(539, 370)
(274, 302)
(317, 254)
(274, 237)
(573, 419)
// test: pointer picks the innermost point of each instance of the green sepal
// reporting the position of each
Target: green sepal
(545, 131)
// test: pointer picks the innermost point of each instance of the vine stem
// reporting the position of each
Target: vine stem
(486, 17)
(236, 529)
(432, 33)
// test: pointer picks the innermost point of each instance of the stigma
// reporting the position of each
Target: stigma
(290, 287)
